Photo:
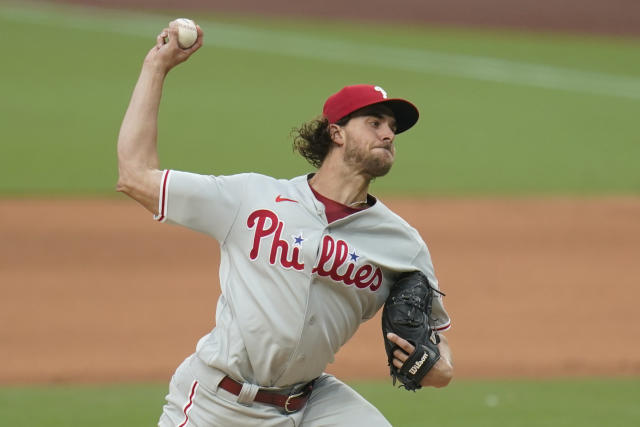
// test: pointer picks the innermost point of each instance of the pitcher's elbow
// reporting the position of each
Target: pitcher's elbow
(444, 378)
(123, 185)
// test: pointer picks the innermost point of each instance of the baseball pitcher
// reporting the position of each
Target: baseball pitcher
(303, 263)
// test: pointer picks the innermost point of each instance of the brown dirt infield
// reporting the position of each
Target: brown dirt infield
(94, 290)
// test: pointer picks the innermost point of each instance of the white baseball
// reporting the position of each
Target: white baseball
(187, 32)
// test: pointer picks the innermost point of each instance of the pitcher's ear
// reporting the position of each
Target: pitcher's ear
(336, 132)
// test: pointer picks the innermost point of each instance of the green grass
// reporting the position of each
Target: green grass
(509, 127)
(514, 403)
(73, 406)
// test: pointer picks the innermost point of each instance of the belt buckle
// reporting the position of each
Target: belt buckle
(286, 403)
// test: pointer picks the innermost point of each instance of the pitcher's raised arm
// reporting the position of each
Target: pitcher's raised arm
(138, 165)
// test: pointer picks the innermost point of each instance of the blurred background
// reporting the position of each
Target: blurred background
(522, 177)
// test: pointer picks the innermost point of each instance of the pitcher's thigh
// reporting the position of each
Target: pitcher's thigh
(333, 403)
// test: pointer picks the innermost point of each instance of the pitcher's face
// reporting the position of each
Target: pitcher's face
(369, 144)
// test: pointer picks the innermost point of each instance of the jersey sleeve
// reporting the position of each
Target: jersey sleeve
(439, 316)
(204, 203)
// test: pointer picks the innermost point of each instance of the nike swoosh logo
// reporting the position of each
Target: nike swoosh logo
(284, 199)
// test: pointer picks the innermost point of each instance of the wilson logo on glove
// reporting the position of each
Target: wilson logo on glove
(414, 368)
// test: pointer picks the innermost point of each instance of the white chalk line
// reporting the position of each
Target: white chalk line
(298, 45)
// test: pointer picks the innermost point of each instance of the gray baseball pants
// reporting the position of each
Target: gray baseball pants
(195, 399)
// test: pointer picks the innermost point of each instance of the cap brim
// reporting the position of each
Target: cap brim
(406, 113)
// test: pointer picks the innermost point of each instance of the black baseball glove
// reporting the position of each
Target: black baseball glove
(406, 313)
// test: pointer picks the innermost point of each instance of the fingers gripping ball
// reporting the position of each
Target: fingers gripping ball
(406, 313)
(187, 32)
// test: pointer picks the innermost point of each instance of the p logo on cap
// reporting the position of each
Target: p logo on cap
(382, 91)
(355, 97)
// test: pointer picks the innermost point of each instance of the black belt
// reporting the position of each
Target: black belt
(289, 402)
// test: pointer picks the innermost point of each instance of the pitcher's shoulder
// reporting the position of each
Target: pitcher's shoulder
(392, 219)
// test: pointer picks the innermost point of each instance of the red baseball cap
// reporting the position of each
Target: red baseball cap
(352, 98)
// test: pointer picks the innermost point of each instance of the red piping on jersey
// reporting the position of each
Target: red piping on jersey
(443, 327)
(163, 202)
(186, 408)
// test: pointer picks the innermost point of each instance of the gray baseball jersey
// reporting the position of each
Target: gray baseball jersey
(294, 287)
